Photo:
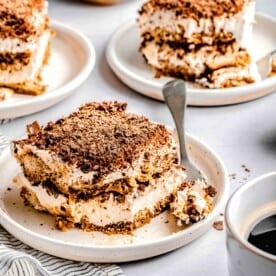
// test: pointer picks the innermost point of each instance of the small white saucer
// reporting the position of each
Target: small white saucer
(127, 63)
(71, 61)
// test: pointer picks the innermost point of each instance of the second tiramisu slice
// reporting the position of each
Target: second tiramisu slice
(24, 45)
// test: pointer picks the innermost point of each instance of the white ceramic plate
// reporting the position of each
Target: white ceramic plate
(71, 61)
(161, 235)
(127, 63)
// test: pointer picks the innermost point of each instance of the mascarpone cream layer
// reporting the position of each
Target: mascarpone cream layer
(240, 25)
(75, 178)
(110, 211)
(15, 45)
(29, 71)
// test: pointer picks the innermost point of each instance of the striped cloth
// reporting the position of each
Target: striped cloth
(18, 259)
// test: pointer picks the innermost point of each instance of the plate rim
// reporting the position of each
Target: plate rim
(67, 87)
(196, 97)
(10, 224)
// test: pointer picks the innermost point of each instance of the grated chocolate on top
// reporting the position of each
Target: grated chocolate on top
(99, 137)
(196, 8)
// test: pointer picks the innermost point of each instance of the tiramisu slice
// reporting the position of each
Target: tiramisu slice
(24, 45)
(100, 168)
(207, 42)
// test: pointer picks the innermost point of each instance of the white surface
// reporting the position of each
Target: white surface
(128, 64)
(64, 73)
(240, 134)
(37, 229)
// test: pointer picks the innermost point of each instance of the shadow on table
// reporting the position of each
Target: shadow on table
(268, 141)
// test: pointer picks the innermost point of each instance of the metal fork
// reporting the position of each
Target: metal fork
(264, 63)
(4, 141)
(175, 94)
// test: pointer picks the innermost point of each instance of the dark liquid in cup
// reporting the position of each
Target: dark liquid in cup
(265, 241)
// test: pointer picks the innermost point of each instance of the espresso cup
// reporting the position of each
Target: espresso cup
(248, 205)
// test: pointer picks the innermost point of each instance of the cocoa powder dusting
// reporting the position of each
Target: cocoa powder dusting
(196, 9)
(99, 137)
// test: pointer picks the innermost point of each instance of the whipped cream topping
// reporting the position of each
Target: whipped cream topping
(110, 211)
(240, 25)
(29, 71)
(194, 197)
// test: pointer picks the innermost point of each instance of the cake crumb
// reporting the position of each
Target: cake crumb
(246, 169)
(218, 225)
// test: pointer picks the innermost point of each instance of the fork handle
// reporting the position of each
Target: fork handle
(175, 93)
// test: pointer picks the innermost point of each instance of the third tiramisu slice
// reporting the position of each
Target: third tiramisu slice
(208, 42)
